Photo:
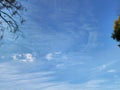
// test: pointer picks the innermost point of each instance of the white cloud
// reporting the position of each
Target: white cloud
(49, 56)
(57, 53)
(104, 66)
(111, 70)
(94, 83)
(61, 65)
(12, 78)
(89, 85)
(24, 57)
(29, 57)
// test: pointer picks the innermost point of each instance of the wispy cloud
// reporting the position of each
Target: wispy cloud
(112, 71)
(12, 78)
(53, 55)
(59, 33)
(49, 56)
(62, 60)
(106, 69)
(104, 66)
(89, 85)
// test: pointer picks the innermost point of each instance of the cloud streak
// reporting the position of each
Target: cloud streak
(12, 78)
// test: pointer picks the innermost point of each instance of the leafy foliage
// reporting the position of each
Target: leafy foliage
(10, 17)
(116, 33)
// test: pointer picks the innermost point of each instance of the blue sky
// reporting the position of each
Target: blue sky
(67, 45)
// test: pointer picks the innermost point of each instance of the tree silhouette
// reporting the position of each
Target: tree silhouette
(10, 17)
(116, 33)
